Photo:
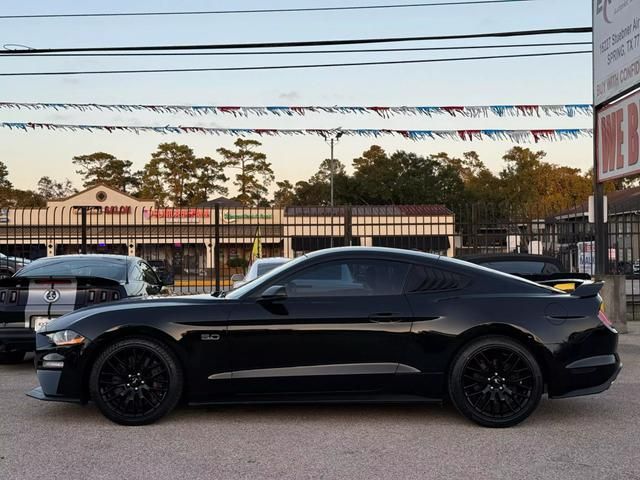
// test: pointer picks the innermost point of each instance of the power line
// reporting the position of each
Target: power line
(299, 52)
(313, 43)
(287, 67)
(262, 10)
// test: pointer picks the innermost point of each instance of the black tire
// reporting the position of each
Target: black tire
(136, 381)
(7, 358)
(495, 381)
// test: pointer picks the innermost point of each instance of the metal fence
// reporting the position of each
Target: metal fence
(200, 249)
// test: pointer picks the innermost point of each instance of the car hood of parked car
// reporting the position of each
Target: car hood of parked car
(114, 308)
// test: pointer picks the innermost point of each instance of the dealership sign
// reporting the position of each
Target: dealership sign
(616, 47)
(617, 139)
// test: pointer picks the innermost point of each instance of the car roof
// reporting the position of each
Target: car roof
(271, 260)
(91, 256)
(339, 251)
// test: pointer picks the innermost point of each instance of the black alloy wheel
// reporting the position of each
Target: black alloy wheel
(136, 381)
(496, 382)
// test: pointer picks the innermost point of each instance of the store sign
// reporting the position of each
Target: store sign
(617, 139)
(616, 47)
(106, 210)
(234, 217)
(178, 213)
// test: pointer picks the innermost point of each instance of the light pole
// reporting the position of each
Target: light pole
(333, 139)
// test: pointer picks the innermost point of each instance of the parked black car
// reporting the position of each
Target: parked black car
(50, 287)
(349, 325)
(537, 268)
(163, 270)
(10, 265)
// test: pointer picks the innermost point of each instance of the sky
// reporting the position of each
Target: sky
(546, 80)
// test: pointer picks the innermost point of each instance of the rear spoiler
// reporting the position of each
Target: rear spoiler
(81, 281)
(588, 290)
(556, 277)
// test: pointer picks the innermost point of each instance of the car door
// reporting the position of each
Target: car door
(338, 326)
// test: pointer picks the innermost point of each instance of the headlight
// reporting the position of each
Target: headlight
(66, 337)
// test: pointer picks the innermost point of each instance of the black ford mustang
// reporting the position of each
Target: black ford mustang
(340, 325)
(50, 287)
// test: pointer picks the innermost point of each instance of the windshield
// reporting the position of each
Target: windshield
(267, 267)
(113, 269)
(241, 291)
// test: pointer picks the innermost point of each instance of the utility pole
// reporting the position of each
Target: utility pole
(333, 139)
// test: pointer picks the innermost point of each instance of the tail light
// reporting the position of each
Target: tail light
(603, 317)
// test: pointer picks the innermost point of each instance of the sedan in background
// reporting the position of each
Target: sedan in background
(50, 287)
(359, 325)
(257, 269)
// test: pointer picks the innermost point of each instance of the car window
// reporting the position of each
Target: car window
(423, 278)
(266, 267)
(111, 268)
(523, 267)
(348, 278)
(148, 275)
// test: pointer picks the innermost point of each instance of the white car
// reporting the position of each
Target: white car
(258, 268)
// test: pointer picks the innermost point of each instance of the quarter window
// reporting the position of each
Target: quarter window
(426, 279)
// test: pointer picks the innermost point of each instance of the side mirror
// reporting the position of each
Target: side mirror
(274, 292)
(154, 289)
(237, 277)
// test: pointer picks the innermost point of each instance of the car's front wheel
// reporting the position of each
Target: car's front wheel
(495, 381)
(136, 381)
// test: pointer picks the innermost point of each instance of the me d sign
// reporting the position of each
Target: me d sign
(616, 47)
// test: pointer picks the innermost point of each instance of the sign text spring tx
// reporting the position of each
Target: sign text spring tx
(616, 47)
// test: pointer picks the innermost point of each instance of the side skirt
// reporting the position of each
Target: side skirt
(388, 399)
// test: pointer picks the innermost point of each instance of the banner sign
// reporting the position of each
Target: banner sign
(516, 136)
(617, 139)
(616, 47)
(472, 111)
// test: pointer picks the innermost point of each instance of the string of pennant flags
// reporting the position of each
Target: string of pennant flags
(517, 136)
(568, 110)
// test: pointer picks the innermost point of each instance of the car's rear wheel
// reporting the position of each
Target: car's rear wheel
(11, 357)
(136, 381)
(495, 381)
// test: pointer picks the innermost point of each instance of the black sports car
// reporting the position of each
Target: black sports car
(50, 287)
(340, 325)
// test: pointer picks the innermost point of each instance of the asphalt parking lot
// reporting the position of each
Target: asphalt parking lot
(583, 438)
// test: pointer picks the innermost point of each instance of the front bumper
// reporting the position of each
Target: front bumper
(17, 340)
(65, 381)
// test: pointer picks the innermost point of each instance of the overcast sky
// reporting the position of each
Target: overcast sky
(551, 80)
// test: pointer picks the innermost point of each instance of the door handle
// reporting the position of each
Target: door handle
(384, 317)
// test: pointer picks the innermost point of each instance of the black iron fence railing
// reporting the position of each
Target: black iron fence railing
(201, 249)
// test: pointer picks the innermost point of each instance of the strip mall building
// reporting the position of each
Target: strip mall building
(108, 221)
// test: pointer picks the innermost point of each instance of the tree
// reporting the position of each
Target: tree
(27, 199)
(209, 180)
(53, 189)
(536, 187)
(405, 178)
(5, 186)
(104, 168)
(255, 171)
(175, 175)
(284, 195)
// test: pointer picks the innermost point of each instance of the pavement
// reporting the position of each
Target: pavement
(583, 438)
